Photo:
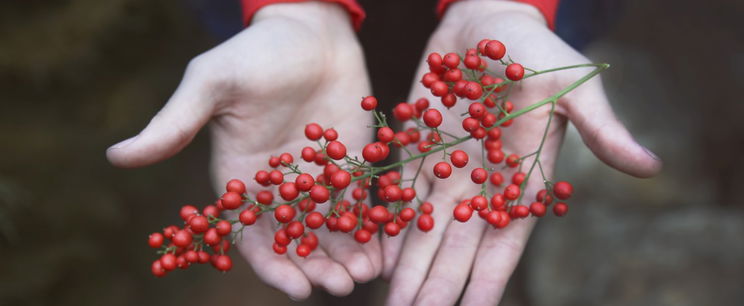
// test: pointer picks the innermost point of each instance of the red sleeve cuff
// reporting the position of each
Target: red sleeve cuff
(547, 7)
(356, 13)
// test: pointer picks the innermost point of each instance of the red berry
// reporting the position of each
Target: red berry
(459, 158)
(279, 249)
(537, 209)
(495, 156)
(199, 224)
(281, 237)
(520, 211)
(288, 191)
(470, 124)
(155, 240)
(425, 222)
(407, 214)
(157, 268)
(211, 237)
(375, 152)
(223, 227)
(408, 194)
(449, 100)
(495, 50)
(392, 229)
(265, 197)
(560, 209)
(496, 178)
(429, 78)
(314, 220)
(518, 178)
(329, 135)
(479, 202)
(479, 175)
(472, 61)
(426, 208)
(432, 118)
(231, 200)
(187, 211)
(498, 202)
(453, 75)
(341, 179)
(295, 229)
(451, 60)
(477, 110)
(442, 170)
(313, 131)
(385, 134)
(422, 104)
(308, 154)
(514, 72)
(543, 197)
(276, 177)
(393, 193)
(284, 213)
(439, 88)
(478, 133)
(362, 236)
(369, 103)
(304, 182)
(434, 60)
(247, 217)
(482, 46)
(473, 91)
(310, 240)
(319, 194)
(347, 222)
(562, 190)
(336, 150)
(262, 177)
(303, 250)
(462, 212)
(168, 262)
(505, 219)
(403, 111)
(511, 192)
(223, 263)
(274, 162)
(235, 185)
(512, 160)
(211, 210)
(182, 238)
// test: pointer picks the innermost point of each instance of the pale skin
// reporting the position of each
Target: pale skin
(299, 63)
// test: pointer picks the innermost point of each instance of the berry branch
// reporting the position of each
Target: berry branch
(489, 112)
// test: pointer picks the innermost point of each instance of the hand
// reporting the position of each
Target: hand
(297, 63)
(432, 268)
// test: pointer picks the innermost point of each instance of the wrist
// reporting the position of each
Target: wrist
(327, 16)
(468, 10)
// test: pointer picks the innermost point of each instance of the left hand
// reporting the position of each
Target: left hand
(432, 268)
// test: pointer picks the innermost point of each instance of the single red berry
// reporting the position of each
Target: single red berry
(407, 214)
(514, 72)
(168, 262)
(303, 250)
(511, 192)
(462, 212)
(346, 223)
(385, 134)
(434, 60)
(157, 269)
(279, 249)
(341, 179)
(329, 135)
(562, 190)
(287, 159)
(451, 60)
(422, 104)
(308, 154)
(518, 178)
(265, 197)
(362, 236)
(495, 156)
(182, 238)
(223, 263)
(560, 209)
(211, 210)
(453, 75)
(392, 229)
(470, 124)
(512, 160)
(313, 131)
(359, 194)
(408, 194)
(187, 211)
(401, 139)
(479, 202)
(369, 103)
(439, 88)
(393, 193)
(375, 152)
(198, 224)
(211, 237)
(479, 175)
(449, 100)
(481, 47)
(304, 182)
(288, 191)
(235, 185)
(472, 61)
(306, 205)
(426, 208)
(247, 217)
(336, 150)
(310, 240)
(429, 78)
(314, 220)
(478, 133)
(493, 217)
(231, 200)
(319, 194)
(459, 158)
(442, 170)
(295, 229)
(276, 177)
(281, 237)
(425, 222)
(477, 110)
(403, 111)
(155, 240)
(473, 91)
(537, 209)
(262, 177)
(543, 197)
(432, 118)
(223, 227)
(495, 50)
(284, 213)
(496, 178)
(498, 202)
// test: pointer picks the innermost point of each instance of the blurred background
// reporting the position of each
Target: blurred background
(79, 75)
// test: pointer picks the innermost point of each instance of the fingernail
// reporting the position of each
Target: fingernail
(654, 156)
(123, 143)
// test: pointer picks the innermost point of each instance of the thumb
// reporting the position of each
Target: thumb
(606, 136)
(171, 129)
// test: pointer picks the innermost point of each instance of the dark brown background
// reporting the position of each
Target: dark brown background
(79, 75)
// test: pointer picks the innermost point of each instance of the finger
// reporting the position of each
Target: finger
(324, 272)
(171, 129)
(349, 253)
(610, 141)
(452, 265)
(419, 249)
(275, 270)
(498, 255)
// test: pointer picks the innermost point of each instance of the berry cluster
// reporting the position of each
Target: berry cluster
(290, 195)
